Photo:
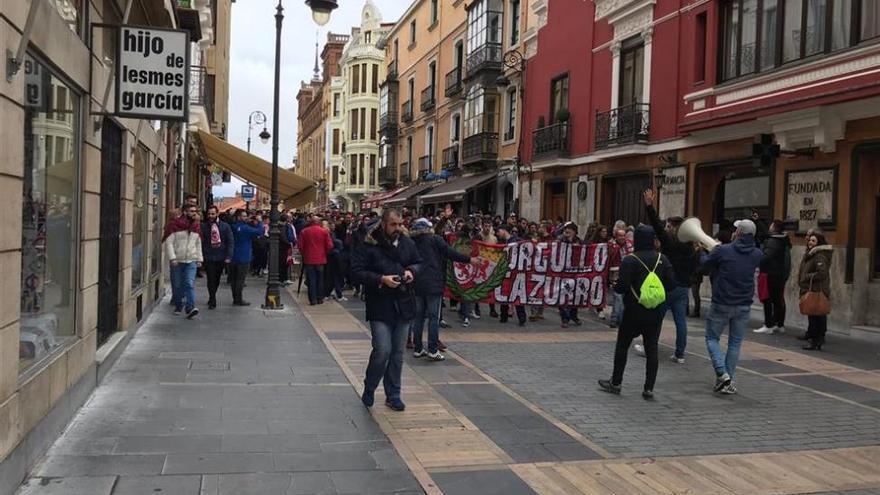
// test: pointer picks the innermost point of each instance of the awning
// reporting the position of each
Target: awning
(455, 189)
(408, 196)
(294, 190)
(376, 200)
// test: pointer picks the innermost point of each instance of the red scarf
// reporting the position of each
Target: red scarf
(180, 224)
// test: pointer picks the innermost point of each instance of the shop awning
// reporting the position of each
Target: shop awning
(408, 196)
(294, 190)
(455, 189)
(378, 199)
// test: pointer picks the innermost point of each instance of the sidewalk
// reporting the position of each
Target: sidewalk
(236, 402)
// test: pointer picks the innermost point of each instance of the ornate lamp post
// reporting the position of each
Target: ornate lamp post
(257, 118)
(516, 62)
(321, 10)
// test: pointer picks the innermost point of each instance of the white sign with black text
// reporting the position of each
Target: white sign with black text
(673, 187)
(810, 197)
(152, 73)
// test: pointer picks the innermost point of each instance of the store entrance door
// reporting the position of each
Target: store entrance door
(110, 230)
(555, 205)
(622, 199)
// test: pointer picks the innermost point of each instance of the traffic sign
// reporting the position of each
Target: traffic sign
(248, 192)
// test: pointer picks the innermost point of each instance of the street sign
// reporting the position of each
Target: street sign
(248, 192)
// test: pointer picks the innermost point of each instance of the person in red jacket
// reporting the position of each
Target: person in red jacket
(315, 243)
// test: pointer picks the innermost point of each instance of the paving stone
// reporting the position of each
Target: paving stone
(164, 485)
(332, 461)
(217, 463)
(495, 482)
(767, 366)
(74, 485)
(168, 444)
(270, 443)
(347, 335)
(100, 465)
(268, 483)
(376, 482)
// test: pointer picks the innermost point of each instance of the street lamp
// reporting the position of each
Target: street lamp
(516, 62)
(257, 118)
(321, 14)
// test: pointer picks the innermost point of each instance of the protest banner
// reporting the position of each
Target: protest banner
(537, 273)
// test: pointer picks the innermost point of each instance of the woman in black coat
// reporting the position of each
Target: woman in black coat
(637, 319)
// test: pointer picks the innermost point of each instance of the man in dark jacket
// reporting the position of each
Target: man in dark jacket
(638, 319)
(733, 287)
(386, 264)
(217, 246)
(242, 254)
(505, 236)
(776, 266)
(429, 285)
(683, 257)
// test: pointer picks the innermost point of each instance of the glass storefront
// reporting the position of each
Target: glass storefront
(139, 226)
(51, 171)
(158, 189)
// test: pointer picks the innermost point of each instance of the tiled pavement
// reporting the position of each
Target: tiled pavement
(236, 402)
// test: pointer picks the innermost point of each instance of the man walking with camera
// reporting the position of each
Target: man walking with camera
(386, 264)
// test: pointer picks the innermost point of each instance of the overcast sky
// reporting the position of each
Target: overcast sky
(252, 61)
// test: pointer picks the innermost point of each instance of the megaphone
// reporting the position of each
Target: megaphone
(692, 231)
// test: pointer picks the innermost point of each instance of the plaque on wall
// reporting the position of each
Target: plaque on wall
(672, 192)
(811, 199)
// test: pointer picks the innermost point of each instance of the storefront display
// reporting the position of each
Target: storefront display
(51, 171)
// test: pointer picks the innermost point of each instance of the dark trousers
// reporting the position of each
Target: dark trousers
(213, 271)
(695, 292)
(239, 274)
(315, 279)
(816, 328)
(283, 269)
(628, 331)
(520, 312)
(774, 306)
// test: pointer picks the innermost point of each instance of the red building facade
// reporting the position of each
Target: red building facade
(693, 98)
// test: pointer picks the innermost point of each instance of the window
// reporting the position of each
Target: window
(484, 26)
(364, 79)
(372, 170)
(455, 134)
(158, 182)
(514, 22)
(353, 125)
(363, 134)
(139, 228)
(412, 33)
(632, 66)
(558, 96)
(700, 48)
(374, 124)
(368, 37)
(412, 89)
(479, 111)
(432, 78)
(409, 150)
(510, 124)
(353, 176)
(335, 178)
(71, 11)
(758, 35)
(48, 215)
(375, 78)
(434, 12)
(335, 141)
(361, 163)
(336, 99)
(356, 79)
(429, 146)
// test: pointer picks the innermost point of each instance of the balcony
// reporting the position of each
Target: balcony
(450, 158)
(484, 58)
(551, 141)
(197, 80)
(406, 111)
(426, 164)
(392, 71)
(429, 100)
(404, 173)
(189, 19)
(623, 125)
(478, 148)
(453, 82)
(388, 176)
(388, 125)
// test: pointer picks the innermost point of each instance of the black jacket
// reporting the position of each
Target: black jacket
(773, 262)
(377, 257)
(681, 254)
(434, 252)
(629, 283)
(227, 242)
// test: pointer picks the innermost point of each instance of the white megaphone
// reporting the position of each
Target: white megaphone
(692, 231)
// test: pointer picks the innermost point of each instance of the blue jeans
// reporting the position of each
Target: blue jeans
(315, 279)
(427, 308)
(464, 309)
(175, 284)
(677, 302)
(616, 302)
(183, 276)
(737, 319)
(386, 359)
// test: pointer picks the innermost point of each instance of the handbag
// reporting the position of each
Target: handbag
(814, 303)
(763, 287)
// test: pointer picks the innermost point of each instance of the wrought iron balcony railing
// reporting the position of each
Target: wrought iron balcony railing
(406, 111)
(623, 125)
(392, 71)
(453, 82)
(429, 99)
(404, 173)
(388, 176)
(551, 140)
(450, 157)
(479, 147)
(426, 164)
(388, 124)
(484, 58)
(197, 77)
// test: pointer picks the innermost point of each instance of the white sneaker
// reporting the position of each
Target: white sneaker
(640, 350)
(602, 314)
(763, 329)
(436, 356)
(465, 322)
(676, 360)
(342, 299)
(474, 315)
(421, 353)
(779, 329)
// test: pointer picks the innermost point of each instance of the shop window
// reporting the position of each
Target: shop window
(49, 192)
(139, 229)
(157, 188)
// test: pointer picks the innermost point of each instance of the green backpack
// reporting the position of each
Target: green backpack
(651, 293)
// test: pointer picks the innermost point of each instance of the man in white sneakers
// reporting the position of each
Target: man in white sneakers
(183, 246)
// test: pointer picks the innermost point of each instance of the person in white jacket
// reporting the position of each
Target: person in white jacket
(183, 246)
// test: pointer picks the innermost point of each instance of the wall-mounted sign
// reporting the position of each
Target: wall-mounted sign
(810, 198)
(152, 73)
(672, 192)
(248, 192)
(583, 202)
